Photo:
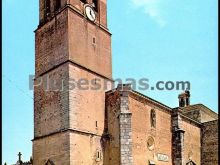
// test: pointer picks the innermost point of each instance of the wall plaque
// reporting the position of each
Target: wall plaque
(162, 157)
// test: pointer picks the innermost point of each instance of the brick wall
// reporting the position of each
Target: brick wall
(51, 106)
(56, 148)
(142, 130)
(51, 42)
(210, 143)
(89, 45)
(70, 36)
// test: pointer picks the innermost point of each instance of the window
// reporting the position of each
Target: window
(150, 143)
(57, 4)
(153, 118)
(47, 7)
(187, 102)
(83, 1)
(95, 3)
(182, 102)
(98, 155)
(94, 40)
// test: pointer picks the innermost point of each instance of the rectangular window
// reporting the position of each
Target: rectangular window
(57, 4)
(95, 2)
(47, 7)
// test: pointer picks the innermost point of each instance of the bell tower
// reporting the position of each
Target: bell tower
(72, 64)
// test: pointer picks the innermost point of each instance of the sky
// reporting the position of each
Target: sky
(161, 40)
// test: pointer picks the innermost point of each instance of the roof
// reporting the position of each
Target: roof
(140, 95)
(200, 107)
(184, 110)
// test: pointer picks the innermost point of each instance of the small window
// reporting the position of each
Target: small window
(98, 155)
(187, 101)
(94, 40)
(95, 3)
(153, 118)
(150, 143)
(182, 102)
(57, 4)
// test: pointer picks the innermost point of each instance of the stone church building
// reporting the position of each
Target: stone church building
(106, 126)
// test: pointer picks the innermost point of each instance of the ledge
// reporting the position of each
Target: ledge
(64, 131)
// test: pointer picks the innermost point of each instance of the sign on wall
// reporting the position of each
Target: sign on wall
(162, 157)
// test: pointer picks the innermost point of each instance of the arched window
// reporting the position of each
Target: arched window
(187, 102)
(150, 143)
(153, 118)
(182, 103)
(47, 7)
(95, 3)
(57, 4)
(190, 162)
(49, 162)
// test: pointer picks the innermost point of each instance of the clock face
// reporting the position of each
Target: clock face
(90, 13)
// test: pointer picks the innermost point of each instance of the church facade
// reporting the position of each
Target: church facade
(107, 126)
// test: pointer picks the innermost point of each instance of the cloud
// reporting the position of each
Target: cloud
(153, 9)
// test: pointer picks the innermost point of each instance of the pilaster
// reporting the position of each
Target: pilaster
(177, 138)
(125, 126)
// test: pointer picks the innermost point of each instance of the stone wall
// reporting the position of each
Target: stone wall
(55, 148)
(118, 116)
(51, 44)
(125, 139)
(209, 143)
(177, 138)
(192, 141)
(125, 132)
(112, 150)
(51, 102)
(80, 111)
(70, 49)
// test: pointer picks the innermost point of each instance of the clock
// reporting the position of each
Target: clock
(90, 13)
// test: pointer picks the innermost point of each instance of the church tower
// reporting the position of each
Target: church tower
(73, 60)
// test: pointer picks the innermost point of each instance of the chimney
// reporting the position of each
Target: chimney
(184, 99)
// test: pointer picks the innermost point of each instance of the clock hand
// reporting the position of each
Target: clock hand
(91, 14)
